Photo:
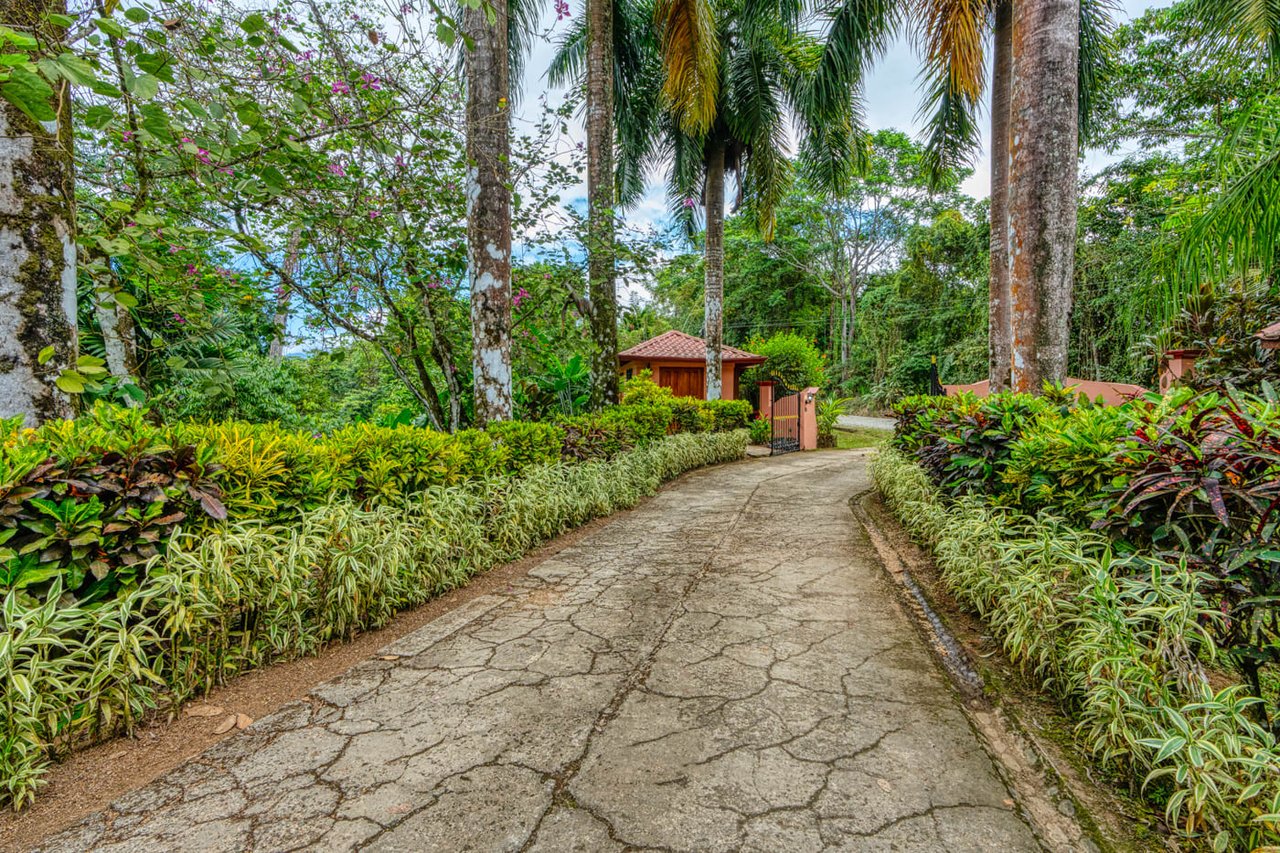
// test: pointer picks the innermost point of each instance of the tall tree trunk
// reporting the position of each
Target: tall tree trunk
(280, 322)
(713, 318)
(118, 343)
(1043, 145)
(601, 283)
(37, 241)
(1000, 327)
(850, 320)
(489, 209)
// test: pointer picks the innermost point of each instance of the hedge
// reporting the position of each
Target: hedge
(1123, 640)
(248, 592)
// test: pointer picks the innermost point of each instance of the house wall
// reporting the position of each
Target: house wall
(729, 386)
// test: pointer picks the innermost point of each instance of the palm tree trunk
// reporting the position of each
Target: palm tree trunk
(713, 321)
(1000, 329)
(489, 208)
(601, 283)
(1043, 134)
(38, 236)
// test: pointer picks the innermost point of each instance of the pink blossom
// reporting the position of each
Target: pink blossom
(177, 318)
(336, 168)
(688, 202)
(191, 269)
(374, 214)
(371, 82)
(340, 87)
(400, 162)
(562, 9)
(127, 136)
(175, 249)
(520, 296)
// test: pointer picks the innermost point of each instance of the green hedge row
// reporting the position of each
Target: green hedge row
(248, 592)
(1123, 641)
(88, 502)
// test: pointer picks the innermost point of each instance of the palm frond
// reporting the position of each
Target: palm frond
(952, 35)
(522, 32)
(685, 179)
(955, 134)
(691, 57)
(1096, 63)
(637, 96)
(859, 32)
(1238, 233)
(569, 62)
(1242, 22)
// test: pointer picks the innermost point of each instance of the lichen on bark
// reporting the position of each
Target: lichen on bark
(37, 247)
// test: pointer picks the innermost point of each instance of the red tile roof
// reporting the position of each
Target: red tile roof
(677, 346)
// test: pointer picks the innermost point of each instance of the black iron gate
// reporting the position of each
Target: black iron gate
(784, 420)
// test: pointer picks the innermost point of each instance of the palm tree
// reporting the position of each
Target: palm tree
(708, 92)
(38, 274)
(1042, 93)
(1238, 233)
(489, 205)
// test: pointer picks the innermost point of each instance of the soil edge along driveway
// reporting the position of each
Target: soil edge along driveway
(725, 668)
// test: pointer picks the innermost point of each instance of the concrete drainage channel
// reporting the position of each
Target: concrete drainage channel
(1054, 813)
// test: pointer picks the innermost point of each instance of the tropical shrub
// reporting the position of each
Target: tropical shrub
(829, 411)
(1065, 461)
(1122, 640)
(88, 507)
(528, 442)
(761, 430)
(728, 415)
(1200, 484)
(966, 445)
(793, 360)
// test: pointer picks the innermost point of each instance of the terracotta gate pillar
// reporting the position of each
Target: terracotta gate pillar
(766, 398)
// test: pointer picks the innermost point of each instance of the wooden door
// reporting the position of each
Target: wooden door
(685, 381)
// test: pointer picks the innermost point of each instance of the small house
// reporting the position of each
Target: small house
(679, 362)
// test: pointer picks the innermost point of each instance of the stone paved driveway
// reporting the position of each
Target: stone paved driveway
(723, 669)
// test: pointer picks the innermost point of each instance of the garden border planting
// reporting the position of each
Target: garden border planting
(1119, 641)
(252, 580)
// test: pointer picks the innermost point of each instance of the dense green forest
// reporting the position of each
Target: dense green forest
(897, 274)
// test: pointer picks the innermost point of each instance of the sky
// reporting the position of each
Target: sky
(891, 99)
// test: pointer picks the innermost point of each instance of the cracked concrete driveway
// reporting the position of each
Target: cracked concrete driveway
(724, 668)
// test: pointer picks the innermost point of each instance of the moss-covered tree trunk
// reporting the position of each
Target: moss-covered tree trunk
(601, 280)
(489, 208)
(713, 317)
(37, 241)
(1043, 146)
(999, 326)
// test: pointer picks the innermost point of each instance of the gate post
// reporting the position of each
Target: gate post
(766, 399)
(809, 419)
